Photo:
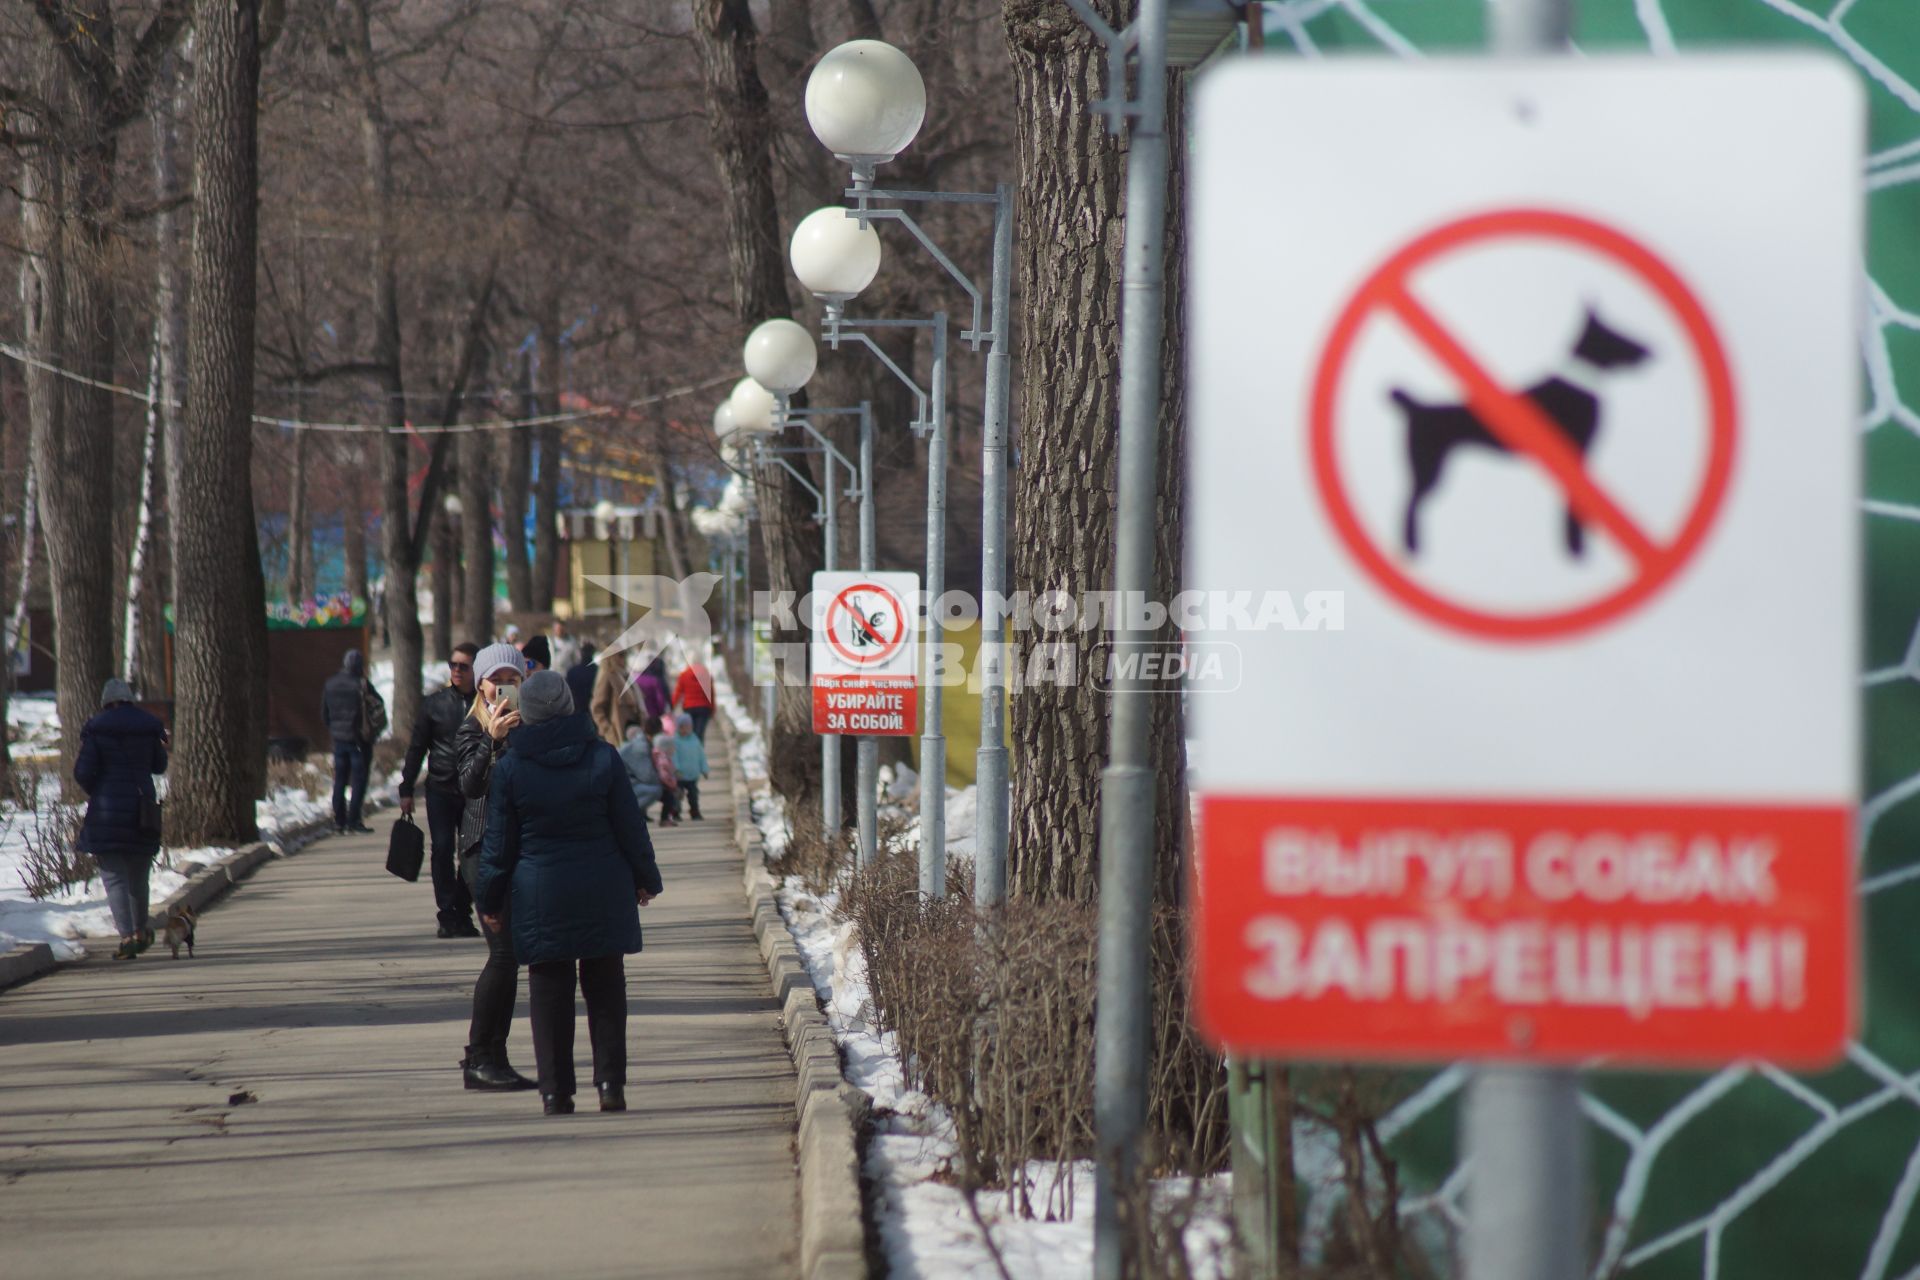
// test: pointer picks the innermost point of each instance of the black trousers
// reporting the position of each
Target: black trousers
(452, 902)
(350, 763)
(603, 981)
(493, 993)
(690, 792)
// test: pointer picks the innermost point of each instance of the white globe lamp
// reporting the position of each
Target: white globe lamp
(866, 101)
(780, 356)
(833, 256)
(723, 423)
(752, 406)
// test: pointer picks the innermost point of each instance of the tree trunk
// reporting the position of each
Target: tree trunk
(1071, 232)
(445, 576)
(544, 398)
(396, 522)
(221, 643)
(476, 527)
(299, 535)
(515, 485)
(140, 561)
(352, 460)
(169, 295)
(67, 306)
(756, 252)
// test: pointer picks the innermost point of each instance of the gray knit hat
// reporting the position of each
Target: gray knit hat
(545, 696)
(494, 657)
(115, 690)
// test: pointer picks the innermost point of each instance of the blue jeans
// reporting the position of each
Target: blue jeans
(350, 763)
(125, 876)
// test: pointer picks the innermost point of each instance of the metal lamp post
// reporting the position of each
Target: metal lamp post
(865, 101)
(835, 256)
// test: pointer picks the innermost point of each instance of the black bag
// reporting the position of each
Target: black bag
(149, 817)
(406, 850)
(373, 712)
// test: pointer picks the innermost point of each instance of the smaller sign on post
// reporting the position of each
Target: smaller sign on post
(864, 633)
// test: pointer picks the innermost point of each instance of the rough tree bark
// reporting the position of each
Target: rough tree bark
(1071, 232)
(299, 582)
(544, 398)
(396, 517)
(516, 478)
(220, 634)
(756, 253)
(444, 575)
(476, 528)
(67, 308)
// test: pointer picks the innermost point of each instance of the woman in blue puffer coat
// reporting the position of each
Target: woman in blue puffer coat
(121, 749)
(567, 849)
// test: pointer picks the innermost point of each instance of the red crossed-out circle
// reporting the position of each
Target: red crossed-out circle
(1521, 425)
(889, 645)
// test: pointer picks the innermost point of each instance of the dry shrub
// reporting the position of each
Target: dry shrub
(996, 1025)
(298, 775)
(818, 861)
(50, 828)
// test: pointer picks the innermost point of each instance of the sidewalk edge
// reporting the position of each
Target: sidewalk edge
(833, 1234)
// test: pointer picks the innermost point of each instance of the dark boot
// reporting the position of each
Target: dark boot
(613, 1098)
(557, 1104)
(486, 1068)
(500, 1061)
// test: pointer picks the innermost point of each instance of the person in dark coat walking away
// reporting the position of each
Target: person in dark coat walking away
(435, 729)
(580, 678)
(121, 748)
(343, 705)
(567, 848)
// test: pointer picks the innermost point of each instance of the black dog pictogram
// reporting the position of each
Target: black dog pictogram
(1435, 430)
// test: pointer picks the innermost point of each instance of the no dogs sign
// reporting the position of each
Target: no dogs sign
(1550, 369)
(864, 626)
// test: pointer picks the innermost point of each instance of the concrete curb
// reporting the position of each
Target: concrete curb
(30, 960)
(830, 1111)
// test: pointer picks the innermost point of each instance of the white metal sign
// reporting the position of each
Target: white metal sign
(1550, 369)
(864, 651)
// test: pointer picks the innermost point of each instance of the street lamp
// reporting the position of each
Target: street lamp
(836, 257)
(866, 102)
(752, 408)
(781, 357)
(723, 423)
(834, 254)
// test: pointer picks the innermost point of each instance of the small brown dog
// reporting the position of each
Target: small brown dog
(179, 929)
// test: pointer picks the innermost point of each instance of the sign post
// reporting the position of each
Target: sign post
(1560, 399)
(865, 629)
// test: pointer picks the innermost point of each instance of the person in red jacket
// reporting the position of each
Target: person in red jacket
(693, 694)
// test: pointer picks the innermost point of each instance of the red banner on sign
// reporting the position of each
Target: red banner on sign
(865, 706)
(1661, 934)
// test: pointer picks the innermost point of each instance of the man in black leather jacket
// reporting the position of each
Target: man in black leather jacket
(434, 731)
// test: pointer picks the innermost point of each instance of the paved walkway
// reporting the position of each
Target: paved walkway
(288, 1103)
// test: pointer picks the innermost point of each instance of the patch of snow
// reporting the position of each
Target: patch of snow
(925, 1224)
(34, 724)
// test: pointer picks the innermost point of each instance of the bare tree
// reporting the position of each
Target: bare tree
(220, 634)
(67, 122)
(756, 255)
(1071, 212)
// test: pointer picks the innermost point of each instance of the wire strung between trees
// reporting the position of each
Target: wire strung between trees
(297, 424)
